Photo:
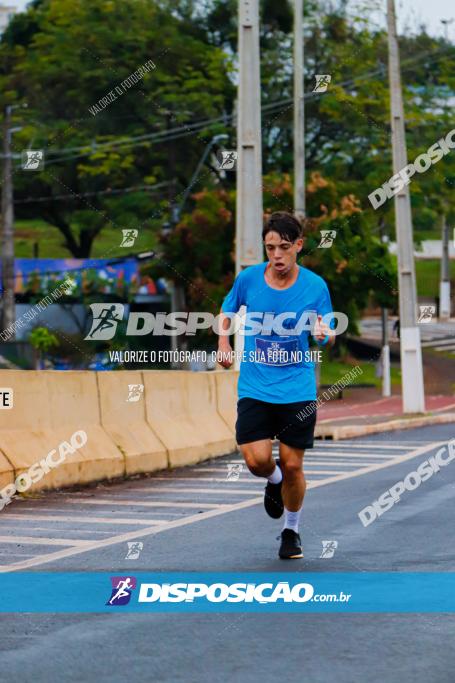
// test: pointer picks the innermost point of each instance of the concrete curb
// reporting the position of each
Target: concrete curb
(339, 432)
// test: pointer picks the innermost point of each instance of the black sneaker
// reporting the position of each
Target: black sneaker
(273, 502)
(291, 545)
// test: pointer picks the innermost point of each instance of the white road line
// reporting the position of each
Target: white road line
(86, 520)
(68, 531)
(183, 489)
(351, 459)
(338, 463)
(348, 457)
(9, 554)
(145, 503)
(194, 519)
(314, 458)
(309, 472)
(378, 445)
(395, 461)
(147, 531)
(199, 479)
(347, 452)
(39, 540)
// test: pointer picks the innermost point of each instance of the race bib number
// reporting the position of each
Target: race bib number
(277, 353)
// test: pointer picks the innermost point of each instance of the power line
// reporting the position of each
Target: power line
(125, 190)
(190, 128)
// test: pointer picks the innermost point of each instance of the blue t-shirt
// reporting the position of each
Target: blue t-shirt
(274, 367)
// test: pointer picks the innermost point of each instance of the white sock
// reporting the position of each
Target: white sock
(291, 519)
(276, 476)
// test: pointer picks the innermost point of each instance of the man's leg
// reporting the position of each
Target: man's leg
(258, 457)
(293, 492)
(294, 483)
(259, 460)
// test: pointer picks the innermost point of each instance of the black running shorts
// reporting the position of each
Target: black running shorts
(291, 423)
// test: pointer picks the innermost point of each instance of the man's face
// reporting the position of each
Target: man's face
(281, 253)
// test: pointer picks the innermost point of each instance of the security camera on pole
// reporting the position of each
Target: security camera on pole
(248, 240)
(410, 349)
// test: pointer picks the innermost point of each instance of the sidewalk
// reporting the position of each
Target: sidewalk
(364, 411)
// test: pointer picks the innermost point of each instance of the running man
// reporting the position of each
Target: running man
(277, 390)
(123, 589)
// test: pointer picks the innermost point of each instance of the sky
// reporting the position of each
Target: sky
(412, 13)
(409, 12)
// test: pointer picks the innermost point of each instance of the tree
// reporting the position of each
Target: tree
(357, 268)
(62, 58)
(42, 341)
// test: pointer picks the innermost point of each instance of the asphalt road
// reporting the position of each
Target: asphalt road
(202, 519)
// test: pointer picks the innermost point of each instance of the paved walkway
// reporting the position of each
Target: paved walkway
(365, 411)
(367, 403)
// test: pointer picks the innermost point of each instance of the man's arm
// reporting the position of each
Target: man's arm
(231, 305)
(225, 352)
(323, 334)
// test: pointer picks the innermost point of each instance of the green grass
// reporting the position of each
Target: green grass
(427, 235)
(428, 273)
(332, 371)
(51, 243)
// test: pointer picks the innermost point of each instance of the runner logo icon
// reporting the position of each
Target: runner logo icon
(328, 549)
(105, 320)
(122, 587)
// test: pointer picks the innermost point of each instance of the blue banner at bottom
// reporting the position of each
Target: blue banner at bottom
(227, 592)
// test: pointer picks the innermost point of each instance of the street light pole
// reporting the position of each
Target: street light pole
(446, 23)
(411, 353)
(299, 114)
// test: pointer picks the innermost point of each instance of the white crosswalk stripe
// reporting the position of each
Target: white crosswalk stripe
(88, 519)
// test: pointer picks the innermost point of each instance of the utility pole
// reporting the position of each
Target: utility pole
(413, 394)
(249, 212)
(8, 301)
(299, 114)
(248, 243)
(444, 285)
(385, 352)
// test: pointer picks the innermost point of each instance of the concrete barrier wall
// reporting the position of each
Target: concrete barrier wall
(25, 436)
(125, 423)
(74, 405)
(181, 409)
(181, 418)
(48, 408)
(226, 395)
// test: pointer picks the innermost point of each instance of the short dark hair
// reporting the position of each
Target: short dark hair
(285, 224)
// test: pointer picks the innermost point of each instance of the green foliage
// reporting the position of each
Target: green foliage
(61, 58)
(42, 340)
(357, 267)
(200, 250)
